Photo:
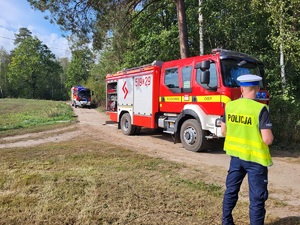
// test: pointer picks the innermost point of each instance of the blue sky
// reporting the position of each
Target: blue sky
(15, 14)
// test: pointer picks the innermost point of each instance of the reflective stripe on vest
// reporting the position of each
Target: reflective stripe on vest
(243, 138)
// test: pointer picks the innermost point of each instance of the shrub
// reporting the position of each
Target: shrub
(285, 115)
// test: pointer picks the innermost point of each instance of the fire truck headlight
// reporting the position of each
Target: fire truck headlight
(218, 122)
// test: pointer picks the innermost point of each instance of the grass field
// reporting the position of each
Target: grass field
(26, 115)
(97, 183)
(70, 183)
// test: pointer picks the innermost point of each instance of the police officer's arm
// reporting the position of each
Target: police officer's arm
(223, 126)
(267, 136)
(223, 129)
(265, 126)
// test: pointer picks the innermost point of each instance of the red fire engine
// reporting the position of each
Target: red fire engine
(185, 97)
(80, 96)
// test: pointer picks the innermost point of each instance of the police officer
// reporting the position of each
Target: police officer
(247, 128)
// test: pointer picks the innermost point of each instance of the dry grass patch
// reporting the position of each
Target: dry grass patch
(94, 183)
(43, 134)
(89, 182)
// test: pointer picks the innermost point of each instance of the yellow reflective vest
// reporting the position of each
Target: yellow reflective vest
(243, 138)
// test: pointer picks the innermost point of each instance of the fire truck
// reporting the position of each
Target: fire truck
(185, 97)
(80, 96)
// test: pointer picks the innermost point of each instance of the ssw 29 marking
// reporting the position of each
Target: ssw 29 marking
(140, 81)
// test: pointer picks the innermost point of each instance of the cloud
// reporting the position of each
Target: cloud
(6, 39)
(58, 45)
(3, 22)
(15, 14)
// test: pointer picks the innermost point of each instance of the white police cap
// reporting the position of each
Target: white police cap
(249, 80)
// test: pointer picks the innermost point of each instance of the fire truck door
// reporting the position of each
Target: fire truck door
(175, 89)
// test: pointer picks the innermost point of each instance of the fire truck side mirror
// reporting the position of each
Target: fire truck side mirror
(204, 65)
(205, 77)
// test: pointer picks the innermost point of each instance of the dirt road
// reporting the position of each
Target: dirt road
(284, 175)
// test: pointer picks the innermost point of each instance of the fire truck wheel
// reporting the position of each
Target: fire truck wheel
(192, 136)
(126, 126)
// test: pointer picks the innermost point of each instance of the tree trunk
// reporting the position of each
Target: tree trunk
(282, 69)
(183, 37)
(281, 49)
(201, 43)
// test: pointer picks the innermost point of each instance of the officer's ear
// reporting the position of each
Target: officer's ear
(242, 90)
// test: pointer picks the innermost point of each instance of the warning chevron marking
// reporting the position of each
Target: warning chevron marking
(125, 90)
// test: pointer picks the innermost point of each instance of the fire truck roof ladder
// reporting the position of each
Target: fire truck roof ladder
(154, 63)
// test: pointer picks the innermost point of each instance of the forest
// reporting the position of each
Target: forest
(109, 35)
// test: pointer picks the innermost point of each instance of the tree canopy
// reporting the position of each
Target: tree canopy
(129, 33)
(139, 31)
(79, 68)
(33, 68)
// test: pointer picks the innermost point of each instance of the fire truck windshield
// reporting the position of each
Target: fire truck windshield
(233, 68)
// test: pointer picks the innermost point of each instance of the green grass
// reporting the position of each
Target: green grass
(32, 115)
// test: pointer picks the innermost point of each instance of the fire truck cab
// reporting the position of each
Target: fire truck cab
(184, 97)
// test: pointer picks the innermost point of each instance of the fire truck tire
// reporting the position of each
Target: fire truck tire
(126, 126)
(192, 136)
